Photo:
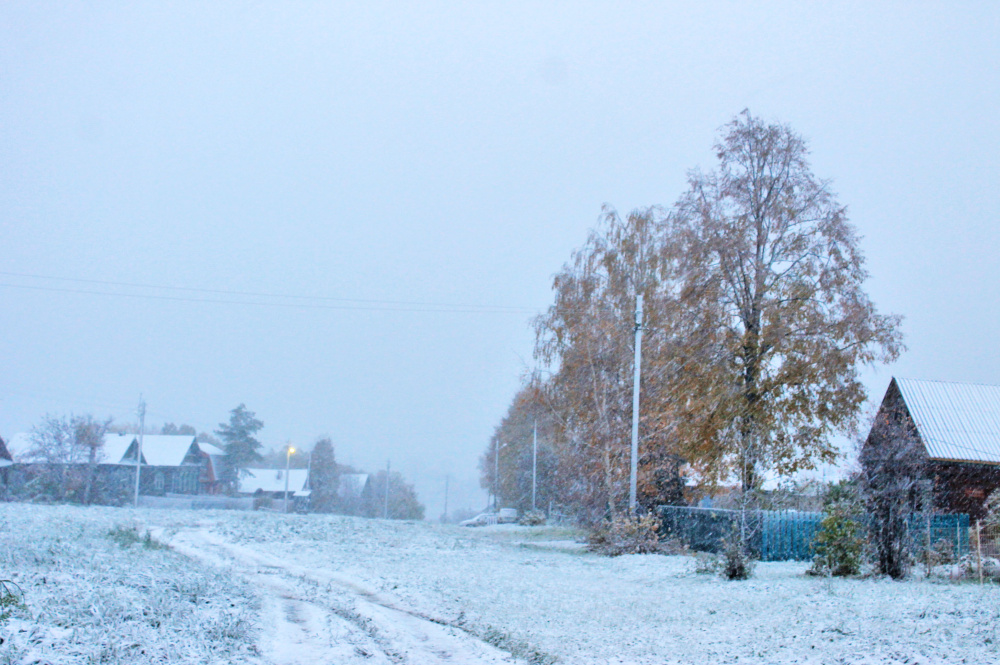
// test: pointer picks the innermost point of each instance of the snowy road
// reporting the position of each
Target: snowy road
(315, 616)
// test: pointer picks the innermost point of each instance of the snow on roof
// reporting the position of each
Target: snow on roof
(19, 444)
(273, 480)
(956, 421)
(157, 449)
(351, 484)
(210, 449)
(115, 446)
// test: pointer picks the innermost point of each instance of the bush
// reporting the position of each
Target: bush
(532, 518)
(626, 535)
(941, 553)
(11, 597)
(707, 564)
(838, 544)
(736, 563)
(126, 536)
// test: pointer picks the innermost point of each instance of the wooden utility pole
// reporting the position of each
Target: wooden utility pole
(387, 489)
(138, 452)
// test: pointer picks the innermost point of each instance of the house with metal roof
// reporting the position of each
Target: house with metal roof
(958, 427)
(171, 463)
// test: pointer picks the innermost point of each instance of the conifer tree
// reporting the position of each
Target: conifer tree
(242, 449)
(324, 478)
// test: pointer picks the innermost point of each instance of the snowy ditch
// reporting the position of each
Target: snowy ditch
(271, 588)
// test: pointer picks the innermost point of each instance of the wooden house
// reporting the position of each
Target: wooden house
(171, 464)
(956, 428)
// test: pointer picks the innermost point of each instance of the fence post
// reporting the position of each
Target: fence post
(979, 552)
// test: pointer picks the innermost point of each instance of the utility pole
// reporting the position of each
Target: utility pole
(534, 463)
(636, 370)
(387, 489)
(138, 452)
(446, 479)
(496, 477)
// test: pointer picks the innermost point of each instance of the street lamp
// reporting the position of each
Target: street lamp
(288, 467)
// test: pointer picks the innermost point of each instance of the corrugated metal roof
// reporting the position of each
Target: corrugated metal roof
(956, 421)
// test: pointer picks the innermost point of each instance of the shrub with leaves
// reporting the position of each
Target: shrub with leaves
(839, 543)
(626, 535)
(940, 553)
(736, 563)
(706, 563)
(532, 518)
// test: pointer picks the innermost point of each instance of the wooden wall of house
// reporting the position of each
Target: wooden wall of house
(963, 487)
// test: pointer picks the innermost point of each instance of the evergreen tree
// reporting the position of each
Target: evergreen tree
(242, 449)
(324, 477)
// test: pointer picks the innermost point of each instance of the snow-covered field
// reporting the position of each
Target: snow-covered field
(264, 587)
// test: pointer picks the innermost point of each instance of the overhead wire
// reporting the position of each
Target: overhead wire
(273, 299)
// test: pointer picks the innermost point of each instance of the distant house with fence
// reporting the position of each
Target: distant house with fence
(957, 429)
(273, 483)
(169, 465)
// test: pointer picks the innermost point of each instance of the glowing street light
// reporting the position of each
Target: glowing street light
(288, 467)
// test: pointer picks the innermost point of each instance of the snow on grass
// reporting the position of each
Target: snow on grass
(98, 589)
(503, 584)
(530, 591)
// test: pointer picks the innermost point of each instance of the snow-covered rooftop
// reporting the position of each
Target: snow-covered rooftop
(210, 449)
(351, 485)
(273, 480)
(157, 449)
(956, 421)
(115, 446)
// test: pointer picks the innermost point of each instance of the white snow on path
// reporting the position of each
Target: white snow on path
(315, 616)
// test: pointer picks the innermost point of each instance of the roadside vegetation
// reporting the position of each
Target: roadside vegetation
(89, 586)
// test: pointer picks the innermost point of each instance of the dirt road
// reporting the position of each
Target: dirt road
(315, 616)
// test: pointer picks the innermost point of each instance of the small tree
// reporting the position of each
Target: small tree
(89, 434)
(323, 477)
(839, 543)
(242, 448)
(68, 450)
(403, 502)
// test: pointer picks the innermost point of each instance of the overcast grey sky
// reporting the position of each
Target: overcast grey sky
(444, 154)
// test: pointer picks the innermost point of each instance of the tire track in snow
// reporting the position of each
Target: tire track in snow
(363, 626)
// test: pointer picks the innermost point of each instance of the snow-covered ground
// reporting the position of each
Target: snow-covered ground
(322, 589)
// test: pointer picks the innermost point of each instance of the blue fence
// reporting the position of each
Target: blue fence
(788, 535)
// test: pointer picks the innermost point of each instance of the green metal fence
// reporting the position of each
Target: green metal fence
(788, 535)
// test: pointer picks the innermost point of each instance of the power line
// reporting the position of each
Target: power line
(254, 294)
(373, 305)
